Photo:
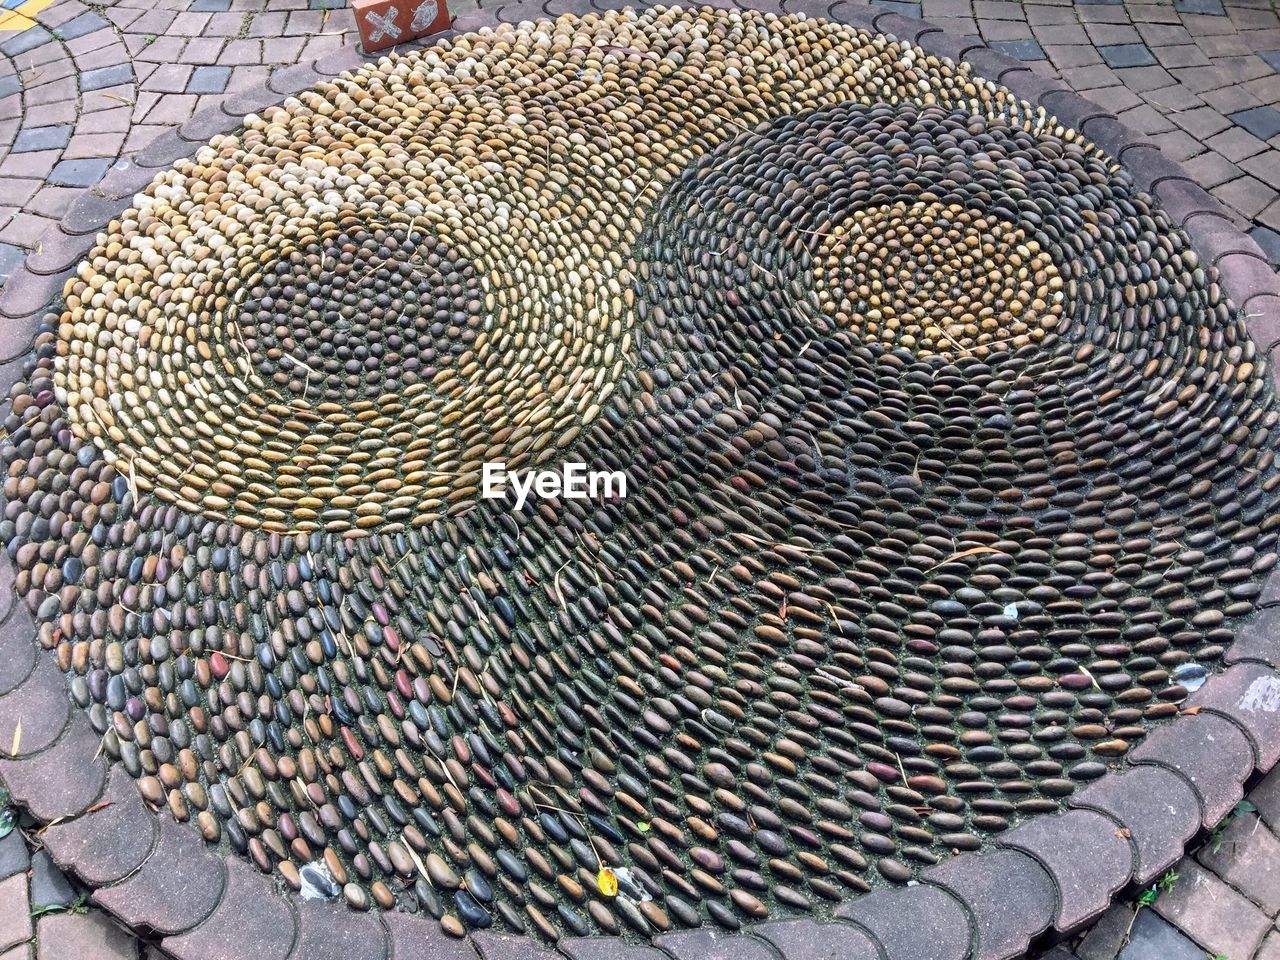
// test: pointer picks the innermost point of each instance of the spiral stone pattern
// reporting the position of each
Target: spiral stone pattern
(950, 474)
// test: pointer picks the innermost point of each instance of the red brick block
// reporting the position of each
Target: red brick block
(384, 23)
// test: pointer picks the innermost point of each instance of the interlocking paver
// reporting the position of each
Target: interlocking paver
(1127, 55)
(1019, 49)
(1217, 917)
(1154, 938)
(78, 173)
(42, 138)
(1262, 122)
(61, 936)
(208, 80)
(15, 912)
(1246, 854)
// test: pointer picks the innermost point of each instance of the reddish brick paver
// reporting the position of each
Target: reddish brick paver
(111, 78)
(1213, 913)
(1225, 901)
(66, 935)
(15, 914)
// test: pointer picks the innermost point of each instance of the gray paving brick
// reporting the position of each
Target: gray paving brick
(49, 885)
(209, 80)
(1127, 55)
(78, 173)
(1019, 49)
(1262, 122)
(1153, 938)
(42, 138)
(898, 6)
(106, 76)
(1210, 8)
(28, 39)
(81, 26)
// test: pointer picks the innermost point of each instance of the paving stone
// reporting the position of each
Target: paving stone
(1105, 938)
(331, 931)
(61, 936)
(420, 938)
(1215, 916)
(1010, 896)
(1269, 241)
(106, 77)
(1157, 807)
(14, 855)
(711, 944)
(209, 80)
(1246, 854)
(15, 912)
(81, 26)
(1153, 938)
(42, 138)
(33, 704)
(25, 41)
(269, 929)
(177, 887)
(22, 951)
(1262, 122)
(1209, 8)
(816, 941)
(79, 173)
(1211, 169)
(62, 781)
(1209, 751)
(912, 923)
(109, 844)
(1019, 49)
(1085, 857)
(49, 885)
(11, 258)
(510, 946)
(168, 78)
(1127, 55)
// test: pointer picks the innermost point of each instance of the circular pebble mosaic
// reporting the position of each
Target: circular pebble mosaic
(950, 472)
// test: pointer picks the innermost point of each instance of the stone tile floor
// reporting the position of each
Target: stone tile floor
(90, 81)
(43, 916)
(1221, 903)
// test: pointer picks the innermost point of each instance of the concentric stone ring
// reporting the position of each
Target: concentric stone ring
(951, 496)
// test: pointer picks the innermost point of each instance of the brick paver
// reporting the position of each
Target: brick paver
(65, 935)
(15, 912)
(92, 83)
(1225, 901)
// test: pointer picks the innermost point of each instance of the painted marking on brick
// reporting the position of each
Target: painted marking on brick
(384, 25)
(1263, 695)
(425, 15)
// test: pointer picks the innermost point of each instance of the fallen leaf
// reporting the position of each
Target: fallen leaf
(1190, 711)
(100, 805)
(1124, 833)
(642, 827)
(607, 882)
(17, 740)
(966, 553)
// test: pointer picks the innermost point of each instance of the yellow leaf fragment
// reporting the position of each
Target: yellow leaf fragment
(607, 882)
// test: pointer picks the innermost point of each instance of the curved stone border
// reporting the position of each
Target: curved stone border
(1045, 877)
